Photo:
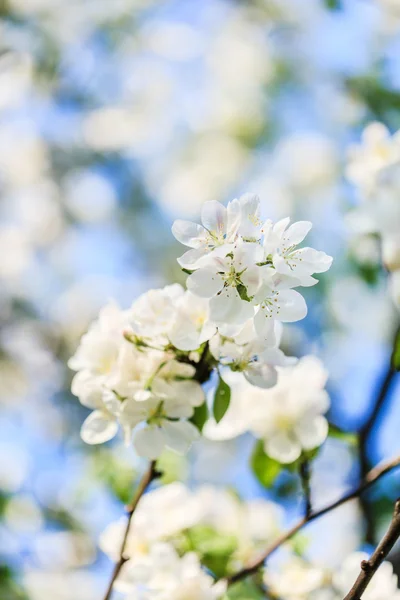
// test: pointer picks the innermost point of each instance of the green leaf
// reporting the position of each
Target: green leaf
(396, 353)
(345, 436)
(333, 4)
(200, 416)
(300, 543)
(188, 271)
(242, 291)
(265, 468)
(214, 547)
(245, 590)
(222, 399)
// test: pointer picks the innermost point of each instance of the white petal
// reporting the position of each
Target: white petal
(312, 432)
(191, 259)
(134, 412)
(280, 226)
(208, 331)
(251, 278)
(281, 265)
(99, 427)
(264, 326)
(251, 225)
(178, 408)
(191, 391)
(315, 261)
(228, 307)
(205, 283)
(283, 448)
(88, 388)
(297, 232)
(184, 334)
(149, 442)
(188, 233)
(234, 215)
(214, 216)
(180, 435)
(291, 306)
(263, 376)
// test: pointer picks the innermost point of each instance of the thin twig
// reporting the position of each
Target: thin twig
(370, 567)
(305, 476)
(372, 477)
(364, 436)
(146, 480)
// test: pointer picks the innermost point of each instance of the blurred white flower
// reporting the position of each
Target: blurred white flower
(383, 585)
(378, 149)
(290, 420)
(288, 417)
(89, 196)
(15, 78)
(306, 161)
(60, 585)
(297, 579)
(162, 514)
(162, 575)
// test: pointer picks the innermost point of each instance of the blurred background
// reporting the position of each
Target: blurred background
(115, 119)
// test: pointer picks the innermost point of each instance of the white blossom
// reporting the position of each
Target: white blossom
(281, 241)
(162, 575)
(254, 524)
(297, 579)
(166, 513)
(135, 385)
(251, 273)
(256, 357)
(191, 326)
(222, 275)
(288, 417)
(99, 347)
(383, 585)
(219, 227)
(161, 515)
(152, 314)
(378, 149)
(291, 419)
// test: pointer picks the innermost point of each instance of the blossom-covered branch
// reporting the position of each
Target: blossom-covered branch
(146, 480)
(371, 478)
(369, 567)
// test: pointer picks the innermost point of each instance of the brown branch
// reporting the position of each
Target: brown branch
(370, 567)
(305, 476)
(146, 480)
(364, 436)
(372, 477)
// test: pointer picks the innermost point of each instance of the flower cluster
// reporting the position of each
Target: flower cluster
(374, 167)
(248, 268)
(208, 525)
(299, 579)
(288, 418)
(163, 574)
(141, 369)
(130, 383)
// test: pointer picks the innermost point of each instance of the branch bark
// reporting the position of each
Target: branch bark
(370, 567)
(364, 437)
(146, 480)
(305, 476)
(370, 479)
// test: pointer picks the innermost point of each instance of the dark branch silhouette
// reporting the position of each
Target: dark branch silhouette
(371, 478)
(370, 567)
(146, 480)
